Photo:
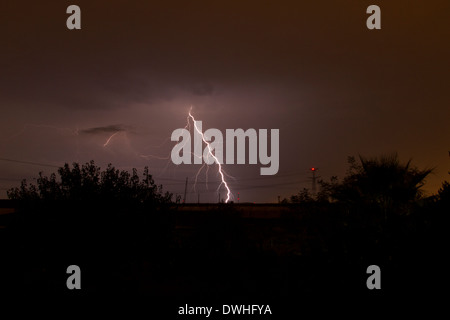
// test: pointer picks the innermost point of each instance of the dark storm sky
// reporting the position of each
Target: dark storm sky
(312, 70)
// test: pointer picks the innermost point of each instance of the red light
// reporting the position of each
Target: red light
(313, 169)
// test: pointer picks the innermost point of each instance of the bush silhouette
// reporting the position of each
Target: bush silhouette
(91, 216)
(89, 183)
(381, 183)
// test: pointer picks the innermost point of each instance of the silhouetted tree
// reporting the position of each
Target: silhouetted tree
(86, 200)
(327, 189)
(443, 195)
(380, 183)
(89, 183)
(303, 196)
(88, 214)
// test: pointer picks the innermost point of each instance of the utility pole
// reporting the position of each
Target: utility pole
(198, 197)
(185, 189)
(314, 178)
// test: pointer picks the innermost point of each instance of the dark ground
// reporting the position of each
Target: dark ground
(184, 254)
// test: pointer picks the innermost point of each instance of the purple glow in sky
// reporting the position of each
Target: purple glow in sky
(315, 72)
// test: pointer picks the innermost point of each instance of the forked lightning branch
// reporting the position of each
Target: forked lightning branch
(235, 153)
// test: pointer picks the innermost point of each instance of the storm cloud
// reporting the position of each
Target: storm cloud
(315, 72)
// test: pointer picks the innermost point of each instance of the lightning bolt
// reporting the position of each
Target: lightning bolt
(210, 153)
(206, 176)
(109, 139)
(222, 173)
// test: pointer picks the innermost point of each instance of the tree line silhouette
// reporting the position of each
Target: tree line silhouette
(89, 183)
(93, 218)
(128, 234)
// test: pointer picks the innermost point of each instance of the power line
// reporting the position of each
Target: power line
(181, 181)
(29, 162)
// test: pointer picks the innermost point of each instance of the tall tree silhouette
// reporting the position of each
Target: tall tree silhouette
(381, 182)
